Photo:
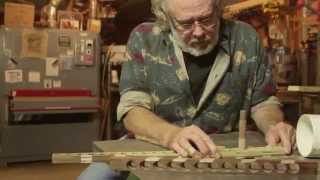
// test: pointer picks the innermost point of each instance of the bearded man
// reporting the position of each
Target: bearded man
(190, 73)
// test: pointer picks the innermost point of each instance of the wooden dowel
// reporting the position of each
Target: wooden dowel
(242, 129)
(205, 163)
(230, 164)
(294, 168)
(191, 164)
(178, 163)
(281, 168)
(255, 167)
(150, 162)
(217, 164)
(268, 167)
(164, 163)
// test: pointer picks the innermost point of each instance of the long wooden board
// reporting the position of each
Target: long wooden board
(105, 156)
(304, 89)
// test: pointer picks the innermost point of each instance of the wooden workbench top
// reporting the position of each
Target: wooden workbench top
(133, 145)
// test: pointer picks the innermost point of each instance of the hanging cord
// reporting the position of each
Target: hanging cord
(106, 94)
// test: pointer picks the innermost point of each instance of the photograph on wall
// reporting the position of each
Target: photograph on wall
(69, 20)
(34, 44)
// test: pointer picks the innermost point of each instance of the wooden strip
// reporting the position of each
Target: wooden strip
(217, 164)
(244, 164)
(241, 6)
(281, 168)
(224, 152)
(205, 163)
(252, 152)
(230, 164)
(65, 158)
(294, 168)
(280, 165)
(135, 162)
(178, 163)
(119, 164)
(295, 164)
(242, 129)
(164, 163)
(304, 89)
(268, 167)
(308, 166)
(151, 162)
(191, 164)
(255, 167)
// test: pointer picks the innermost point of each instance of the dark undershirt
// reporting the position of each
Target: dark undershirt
(198, 69)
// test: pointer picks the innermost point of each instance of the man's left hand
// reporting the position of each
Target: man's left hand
(281, 133)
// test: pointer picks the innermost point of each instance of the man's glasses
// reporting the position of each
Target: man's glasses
(208, 22)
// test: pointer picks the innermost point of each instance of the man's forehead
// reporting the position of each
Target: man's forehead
(189, 8)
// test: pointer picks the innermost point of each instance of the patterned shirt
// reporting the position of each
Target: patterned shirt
(155, 77)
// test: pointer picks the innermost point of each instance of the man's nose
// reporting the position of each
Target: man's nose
(198, 30)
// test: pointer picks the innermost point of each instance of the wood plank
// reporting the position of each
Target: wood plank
(304, 89)
(230, 10)
(229, 140)
(224, 153)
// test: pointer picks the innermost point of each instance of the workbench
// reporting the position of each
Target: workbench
(228, 140)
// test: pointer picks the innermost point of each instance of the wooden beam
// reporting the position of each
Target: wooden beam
(241, 6)
(304, 89)
(104, 157)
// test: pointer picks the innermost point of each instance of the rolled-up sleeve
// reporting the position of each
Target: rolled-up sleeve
(131, 99)
(271, 101)
(133, 85)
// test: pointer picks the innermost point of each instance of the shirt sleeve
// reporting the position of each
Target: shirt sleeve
(271, 101)
(262, 85)
(131, 99)
(133, 85)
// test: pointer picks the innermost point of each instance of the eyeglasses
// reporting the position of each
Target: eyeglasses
(208, 22)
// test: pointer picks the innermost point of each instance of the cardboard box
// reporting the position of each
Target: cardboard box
(19, 15)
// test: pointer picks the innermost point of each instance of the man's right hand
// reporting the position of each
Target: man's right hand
(191, 141)
(187, 141)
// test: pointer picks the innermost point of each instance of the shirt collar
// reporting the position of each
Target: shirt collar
(225, 36)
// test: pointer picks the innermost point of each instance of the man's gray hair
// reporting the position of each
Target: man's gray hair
(160, 10)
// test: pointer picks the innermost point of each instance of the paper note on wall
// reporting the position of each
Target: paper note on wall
(57, 83)
(52, 67)
(14, 76)
(47, 83)
(34, 77)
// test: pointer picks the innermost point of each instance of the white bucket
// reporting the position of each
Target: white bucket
(308, 135)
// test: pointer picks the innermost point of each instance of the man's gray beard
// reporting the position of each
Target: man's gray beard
(191, 50)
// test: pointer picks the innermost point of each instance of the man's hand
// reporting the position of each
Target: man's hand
(282, 133)
(187, 141)
(191, 141)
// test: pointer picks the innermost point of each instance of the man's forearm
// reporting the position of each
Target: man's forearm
(267, 116)
(148, 126)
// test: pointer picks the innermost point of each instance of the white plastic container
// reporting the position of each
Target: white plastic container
(308, 135)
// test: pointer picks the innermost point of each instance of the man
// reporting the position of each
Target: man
(190, 73)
